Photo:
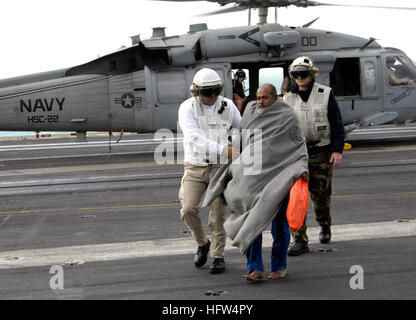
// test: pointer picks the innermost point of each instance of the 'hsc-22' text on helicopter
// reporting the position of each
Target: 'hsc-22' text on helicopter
(140, 88)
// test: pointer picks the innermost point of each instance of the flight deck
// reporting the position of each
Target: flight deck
(108, 216)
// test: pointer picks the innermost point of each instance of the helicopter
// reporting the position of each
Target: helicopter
(140, 88)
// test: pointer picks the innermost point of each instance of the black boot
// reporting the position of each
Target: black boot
(217, 266)
(201, 256)
(325, 234)
(298, 248)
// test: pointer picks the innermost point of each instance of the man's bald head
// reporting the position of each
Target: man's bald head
(266, 95)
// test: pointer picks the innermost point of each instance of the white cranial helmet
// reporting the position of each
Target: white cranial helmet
(207, 78)
(208, 81)
(303, 64)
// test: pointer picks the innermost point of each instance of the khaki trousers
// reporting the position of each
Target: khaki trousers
(193, 186)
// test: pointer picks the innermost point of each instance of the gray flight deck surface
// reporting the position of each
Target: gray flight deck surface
(111, 221)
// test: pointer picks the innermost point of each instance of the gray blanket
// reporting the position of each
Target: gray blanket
(253, 190)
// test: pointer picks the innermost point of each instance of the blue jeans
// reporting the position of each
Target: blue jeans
(281, 238)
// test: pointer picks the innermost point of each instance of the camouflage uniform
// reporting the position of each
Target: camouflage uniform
(320, 188)
(321, 146)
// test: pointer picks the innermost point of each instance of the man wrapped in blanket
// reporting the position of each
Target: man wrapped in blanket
(256, 185)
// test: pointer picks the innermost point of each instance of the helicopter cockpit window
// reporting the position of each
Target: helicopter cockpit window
(274, 75)
(401, 71)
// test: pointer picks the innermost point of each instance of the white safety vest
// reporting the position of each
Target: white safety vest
(313, 114)
(214, 126)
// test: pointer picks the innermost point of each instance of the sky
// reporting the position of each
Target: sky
(44, 35)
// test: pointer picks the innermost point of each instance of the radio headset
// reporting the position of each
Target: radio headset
(194, 90)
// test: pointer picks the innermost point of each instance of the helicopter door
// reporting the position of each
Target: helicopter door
(371, 101)
(354, 83)
(169, 89)
(399, 84)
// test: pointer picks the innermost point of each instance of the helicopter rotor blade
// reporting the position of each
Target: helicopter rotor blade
(280, 3)
(221, 2)
(242, 5)
(224, 10)
(178, 0)
(360, 6)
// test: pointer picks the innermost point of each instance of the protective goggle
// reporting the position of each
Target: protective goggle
(208, 92)
(301, 74)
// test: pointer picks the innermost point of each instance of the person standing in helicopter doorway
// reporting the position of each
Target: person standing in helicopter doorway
(321, 121)
(206, 120)
(239, 96)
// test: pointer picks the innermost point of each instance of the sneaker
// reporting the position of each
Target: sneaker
(298, 248)
(201, 255)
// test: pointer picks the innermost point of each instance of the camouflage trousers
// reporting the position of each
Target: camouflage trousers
(320, 189)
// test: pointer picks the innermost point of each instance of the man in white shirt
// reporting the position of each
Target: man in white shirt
(206, 120)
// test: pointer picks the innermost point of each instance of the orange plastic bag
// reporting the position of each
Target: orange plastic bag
(298, 204)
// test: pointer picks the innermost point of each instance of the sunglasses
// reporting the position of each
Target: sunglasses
(210, 91)
(301, 74)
